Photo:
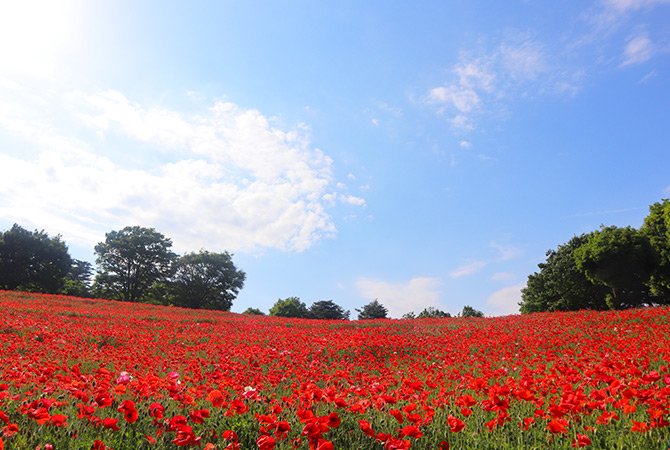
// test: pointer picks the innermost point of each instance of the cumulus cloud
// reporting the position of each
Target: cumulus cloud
(400, 298)
(505, 301)
(638, 50)
(468, 269)
(225, 178)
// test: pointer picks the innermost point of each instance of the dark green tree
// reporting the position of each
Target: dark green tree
(656, 228)
(32, 261)
(328, 310)
(409, 315)
(432, 313)
(560, 285)
(130, 261)
(78, 279)
(621, 259)
(253, 312)
(373, 310)
(289, 307)
(206, 280)
(469, 311)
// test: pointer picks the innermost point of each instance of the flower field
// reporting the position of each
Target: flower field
(82, 373)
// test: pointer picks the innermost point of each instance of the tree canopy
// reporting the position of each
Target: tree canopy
(327, 309)
(131, 260)
(613, 267)
(206, 280)
(289, 307)
(32, 261)
(469, 311)
(432, 312)
(373, 310)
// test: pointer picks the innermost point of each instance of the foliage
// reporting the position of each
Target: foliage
(253, 312)
(656, 228)
(327, 309)
(409, 315)
(78, 279)
(373, 310)
(130, 261)
(621, 259)
(469, 311)
(560, 285)
(289, 307)
(147, 376)
(206, 280)
(432, 313)
(32, 261)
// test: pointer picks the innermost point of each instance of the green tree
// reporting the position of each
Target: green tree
(432, 313)
(130, 261)
(32, 261)
(327, 309)
(469, 311)
(373, 310)
(253, 312)
(560, 285)
(656, 228)
(206, 280)
(289, 307)
(78, 279)
(409, 315)
(621, 259)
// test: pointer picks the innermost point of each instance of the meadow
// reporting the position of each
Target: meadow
(89, 373)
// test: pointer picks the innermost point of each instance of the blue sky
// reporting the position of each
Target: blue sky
(422, 153)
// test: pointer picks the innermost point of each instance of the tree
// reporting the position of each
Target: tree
(329, 310)
(78, 279)
(560, 285)
(409, 315)
(621, 259)
(469, 311)
(32, 261)
(253, 312)
(656, 228)
(130, 261)
(432, 313)
(373, 310)
(206, 280)
(289, 307)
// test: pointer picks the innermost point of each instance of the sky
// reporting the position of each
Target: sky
(419, 153)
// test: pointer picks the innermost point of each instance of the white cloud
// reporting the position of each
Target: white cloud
(638, 50)
(523, 62)
(223, 179)
(400, 298)
(624, 6)
(464, 144)
(468, 269)
(353, 200)
(506, 252)
(503, 276)
(505, 301)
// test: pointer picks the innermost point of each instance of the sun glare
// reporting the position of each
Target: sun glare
(34, 35)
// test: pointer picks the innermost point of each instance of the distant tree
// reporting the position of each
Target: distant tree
(130, 261)
(373, 310)
(78, 279)
(289, 307)
(32, 261)
(253, 312)
(432, 313)
(560, 285)
(206, 280)
(409, 315)
(469, 311)
(656, 228)
(621, 259)
(329, 310)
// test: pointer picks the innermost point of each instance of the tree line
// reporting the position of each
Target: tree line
(135, 264)
(610, 268)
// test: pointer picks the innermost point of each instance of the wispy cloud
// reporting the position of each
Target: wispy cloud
(225, 178)
(506, 252)
(638, 50)
(503, 276)
(469, 268)
(505, 301)
(400, 298)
